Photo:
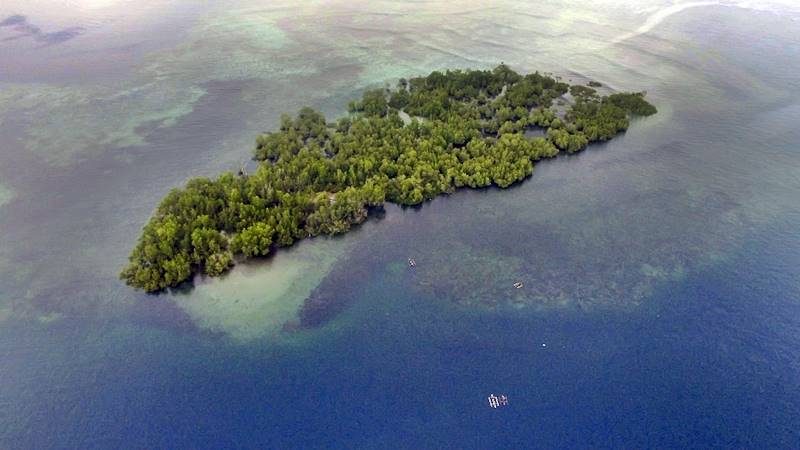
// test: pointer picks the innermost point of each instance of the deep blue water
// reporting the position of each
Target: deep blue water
(712, 364)
(661, 306)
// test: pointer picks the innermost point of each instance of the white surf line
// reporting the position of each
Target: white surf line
(656, 18)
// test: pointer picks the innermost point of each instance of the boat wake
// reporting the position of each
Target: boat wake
(660, 15)
(656, 18)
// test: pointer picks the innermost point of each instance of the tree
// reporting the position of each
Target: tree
(254, 240)
(633, 103)
(373, 103)
(218, 263)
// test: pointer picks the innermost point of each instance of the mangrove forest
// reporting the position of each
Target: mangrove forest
(427, 136)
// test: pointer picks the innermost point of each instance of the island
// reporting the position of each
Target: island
(427, 136)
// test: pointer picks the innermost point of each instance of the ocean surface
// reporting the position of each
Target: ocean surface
(661, 306)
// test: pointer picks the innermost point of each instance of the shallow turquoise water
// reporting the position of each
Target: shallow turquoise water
(660, 269)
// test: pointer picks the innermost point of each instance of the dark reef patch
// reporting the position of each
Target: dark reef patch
(24, 28)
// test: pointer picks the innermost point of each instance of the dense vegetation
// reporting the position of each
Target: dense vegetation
(316, 177)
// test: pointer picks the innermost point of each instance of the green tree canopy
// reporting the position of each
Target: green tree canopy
(314, 177)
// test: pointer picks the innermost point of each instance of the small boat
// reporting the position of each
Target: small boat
(496, 402)
(411, 262)
(518, 285)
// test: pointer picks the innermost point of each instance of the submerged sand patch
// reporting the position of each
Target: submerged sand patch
(257, 299)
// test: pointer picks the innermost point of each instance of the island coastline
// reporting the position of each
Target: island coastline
(428, 136)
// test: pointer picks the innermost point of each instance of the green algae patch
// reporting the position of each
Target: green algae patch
(49, 318)
(6, 195)
(5, 314)
(88, 120)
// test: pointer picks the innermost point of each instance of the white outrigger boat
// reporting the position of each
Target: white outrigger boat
(518, 285)
(411, 262)
(496, 402)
